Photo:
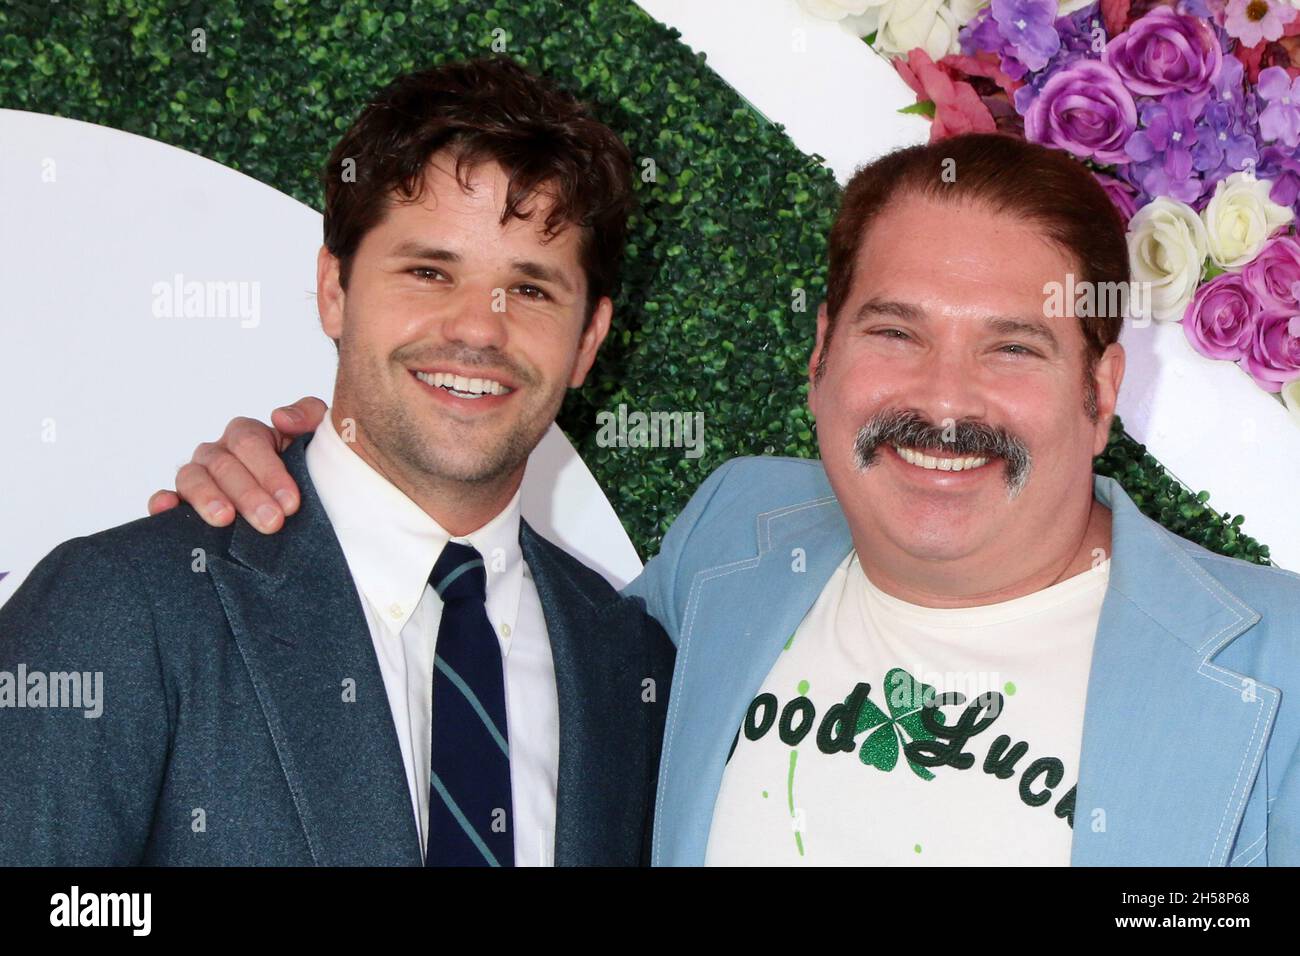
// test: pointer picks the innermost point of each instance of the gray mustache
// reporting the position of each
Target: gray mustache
(965, 438)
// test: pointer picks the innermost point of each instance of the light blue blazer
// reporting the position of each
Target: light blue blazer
(1192, 718)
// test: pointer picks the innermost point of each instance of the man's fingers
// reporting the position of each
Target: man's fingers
(257, 448)
(196, 488)
(299, 418)
(161, 501)
(217, 484)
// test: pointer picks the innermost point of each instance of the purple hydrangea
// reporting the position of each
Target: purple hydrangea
(1225, 141)
(1021, 32)
(1280, 119)
(1162, 149)
(1281, 166)
(1028, 27)
(1078, 33)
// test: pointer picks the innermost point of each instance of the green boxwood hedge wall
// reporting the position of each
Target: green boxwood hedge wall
(732, 225)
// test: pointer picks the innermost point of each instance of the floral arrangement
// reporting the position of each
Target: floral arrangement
(1187, 112)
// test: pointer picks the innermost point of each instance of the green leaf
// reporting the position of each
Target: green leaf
(922, 108)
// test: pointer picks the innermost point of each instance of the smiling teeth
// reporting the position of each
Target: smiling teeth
(932, 463)
(461, 386)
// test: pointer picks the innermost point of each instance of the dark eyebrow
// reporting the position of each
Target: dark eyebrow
(1026, 327)
(999, 324)
(413, 249)
(542, 273)
(899, 310)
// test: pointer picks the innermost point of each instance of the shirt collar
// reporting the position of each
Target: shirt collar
(391, 544)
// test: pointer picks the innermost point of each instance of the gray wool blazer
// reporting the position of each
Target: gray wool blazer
(244, 719)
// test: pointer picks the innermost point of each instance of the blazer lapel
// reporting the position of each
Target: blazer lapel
(605, 746)
(764, 598)
(300, 628)
(1172, 742)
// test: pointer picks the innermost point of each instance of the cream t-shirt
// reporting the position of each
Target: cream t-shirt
(839, 760)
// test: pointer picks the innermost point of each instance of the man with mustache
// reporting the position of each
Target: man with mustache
(408, 674)
(948, 641)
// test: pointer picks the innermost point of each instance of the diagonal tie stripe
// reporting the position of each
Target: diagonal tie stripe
(459, 683)
(468, 828)
(471, 809)
(445, 583)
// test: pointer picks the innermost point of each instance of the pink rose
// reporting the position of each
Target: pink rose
(1274, 275)
(1221, 318)
(1273, 356)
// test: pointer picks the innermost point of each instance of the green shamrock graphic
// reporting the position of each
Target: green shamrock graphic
(905, 697)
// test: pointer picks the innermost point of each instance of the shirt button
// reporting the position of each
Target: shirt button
(505, 630)
(395, 610)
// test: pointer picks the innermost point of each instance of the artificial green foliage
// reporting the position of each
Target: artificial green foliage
(726, 261)
(1163, 498)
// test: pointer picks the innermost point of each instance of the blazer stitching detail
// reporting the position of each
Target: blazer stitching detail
(1259, 712)
(767, 517)
(701, 578)
(1253, 858)
(1211, 586)
(1250, 846)
(674, 699)
(1224, 559)
(1234, 686)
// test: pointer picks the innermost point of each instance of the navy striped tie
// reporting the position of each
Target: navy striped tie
(471, 819)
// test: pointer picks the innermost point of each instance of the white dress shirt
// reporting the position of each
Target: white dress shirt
(391, 546)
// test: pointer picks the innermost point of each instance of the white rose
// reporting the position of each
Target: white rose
(907, 24)
(1291, 398)
(1240, 218)
(1167, 246)
(963, 11)
(837, 9)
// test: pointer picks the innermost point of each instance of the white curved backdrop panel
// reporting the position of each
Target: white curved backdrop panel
(104, 397)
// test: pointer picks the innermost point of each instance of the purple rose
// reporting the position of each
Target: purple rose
(1221, 318)
(1273, 357)
(1166, 51)
(1273, 276)
(1121, 194)
(1086, 109)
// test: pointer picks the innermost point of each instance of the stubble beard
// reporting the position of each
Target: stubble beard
(427, 448)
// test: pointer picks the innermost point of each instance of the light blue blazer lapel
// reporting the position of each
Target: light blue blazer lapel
(718, 671)
(296, 618)
(1172, 742)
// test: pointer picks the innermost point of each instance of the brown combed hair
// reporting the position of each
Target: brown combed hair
(486, 109)
(1007, 174)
